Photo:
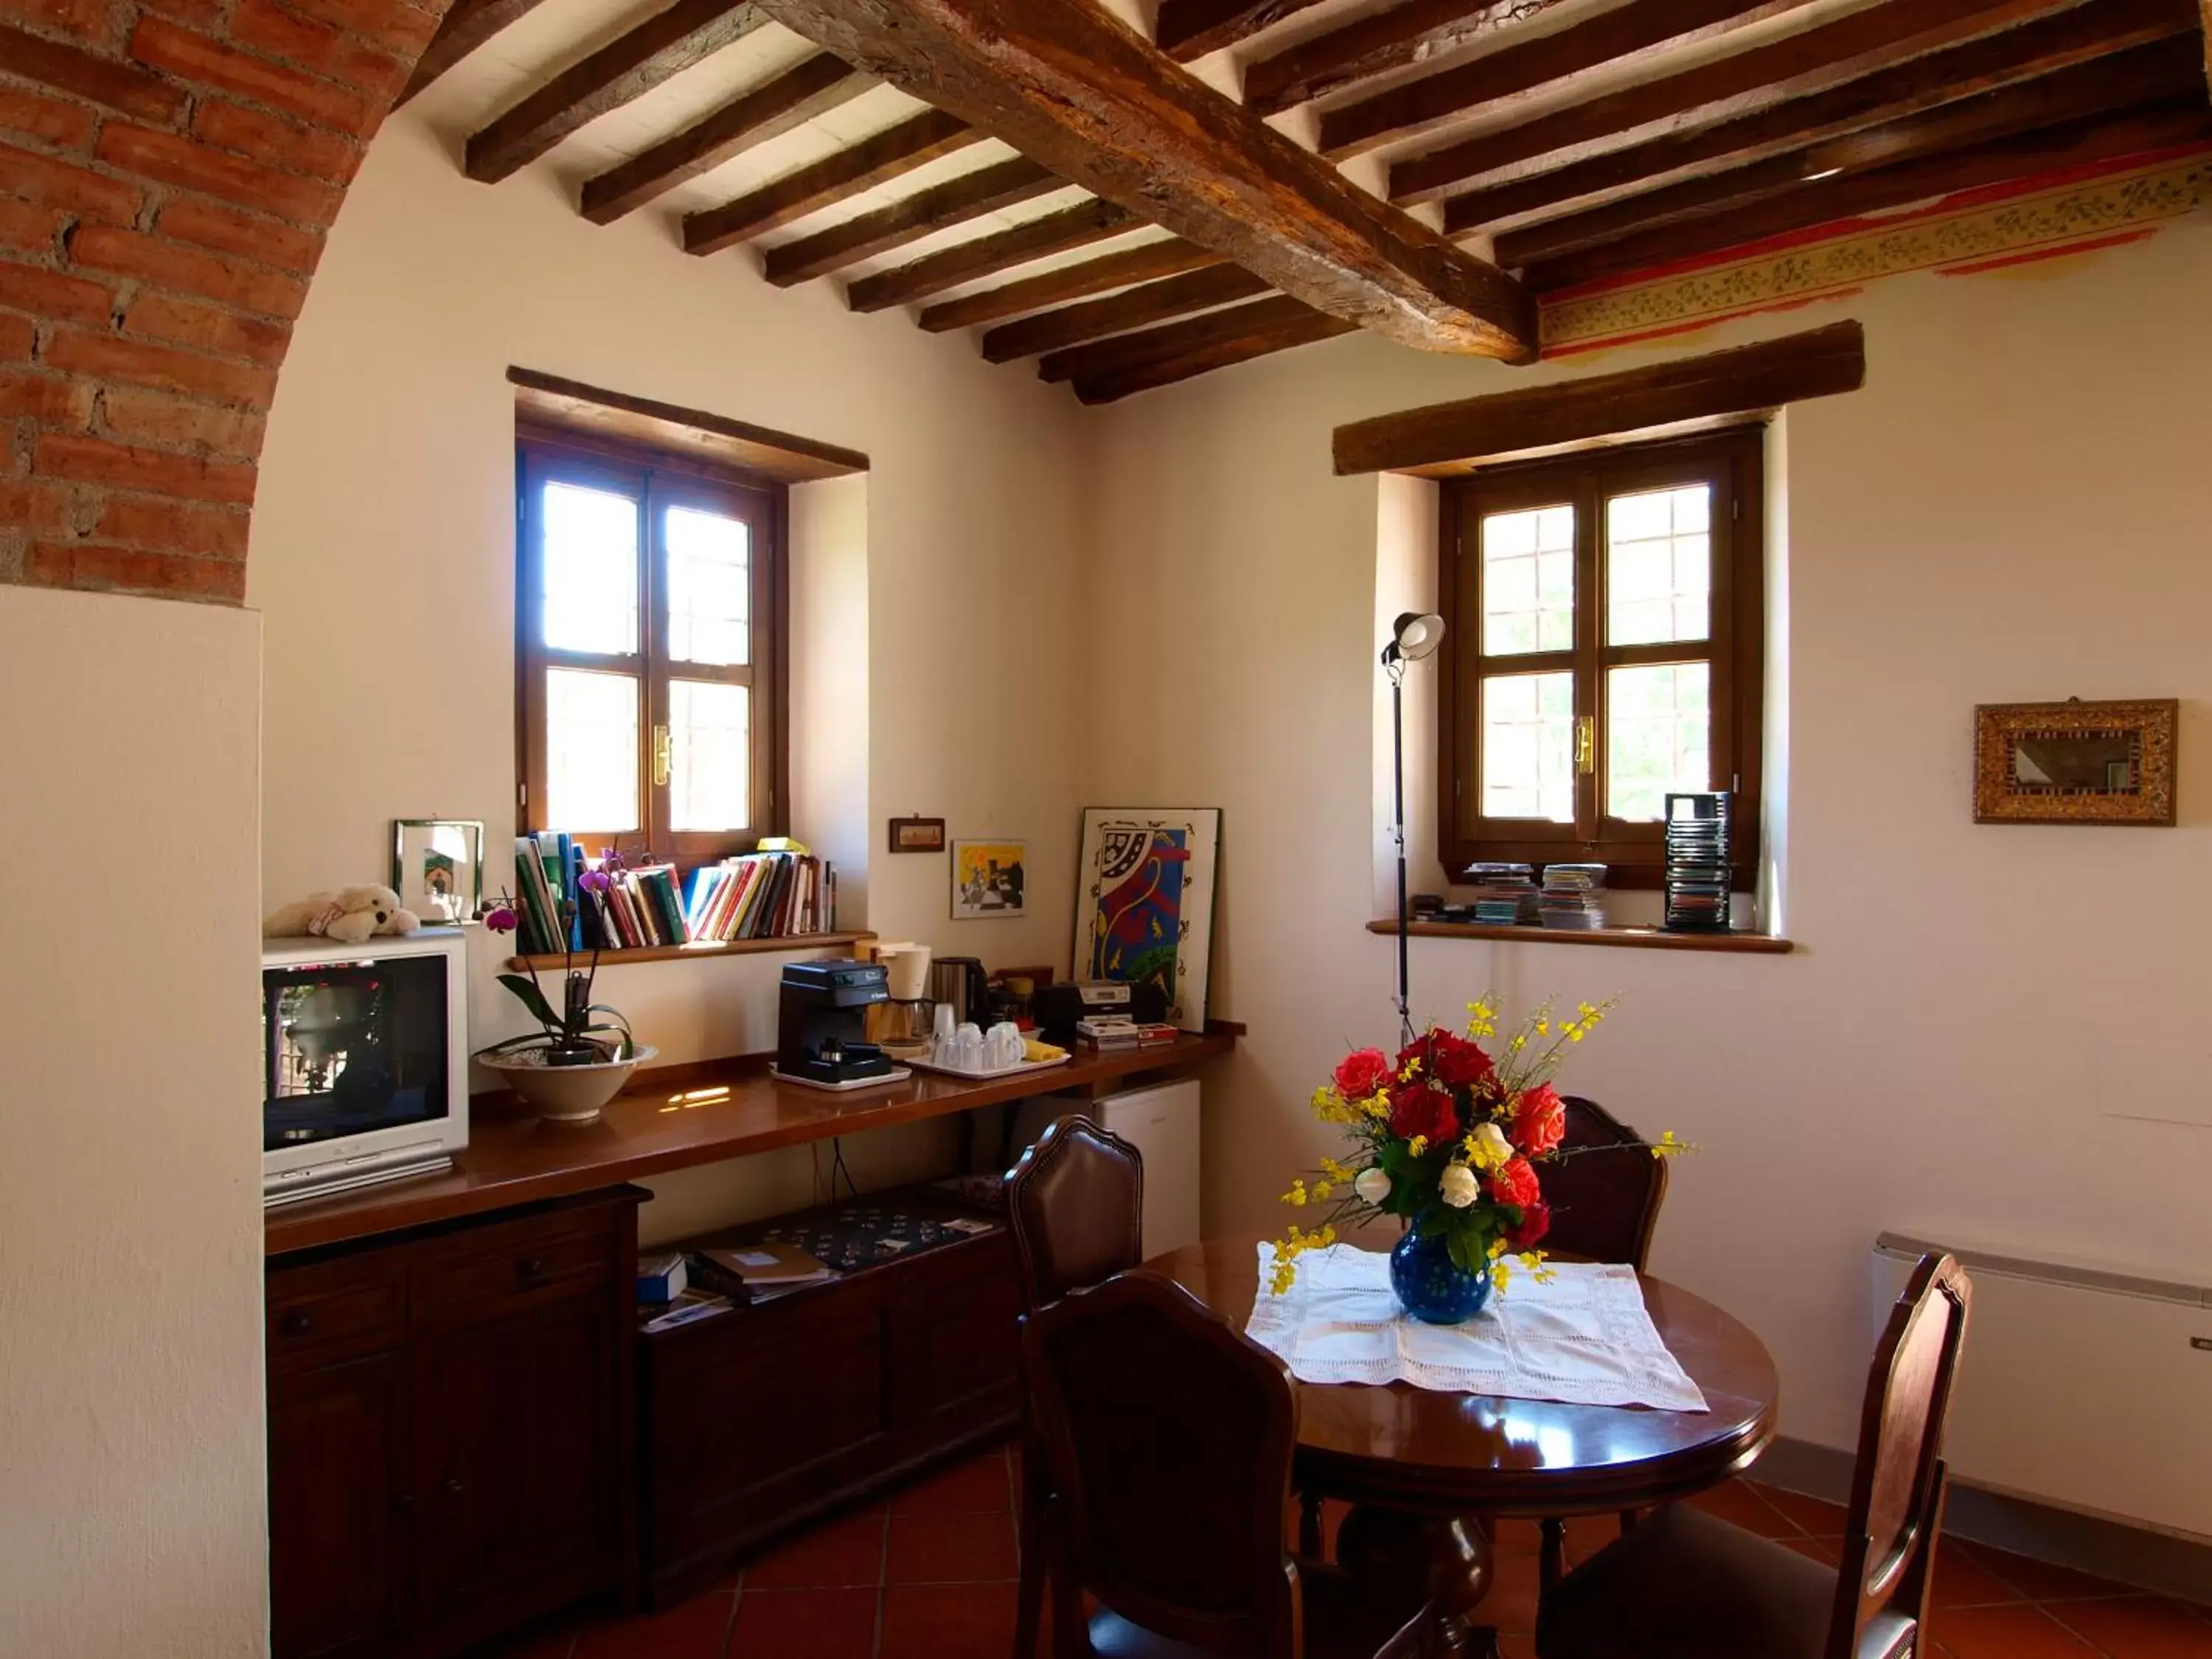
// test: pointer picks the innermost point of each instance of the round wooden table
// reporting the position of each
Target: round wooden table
(1418, 1459)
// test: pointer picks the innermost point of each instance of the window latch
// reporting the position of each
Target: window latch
(661, 748)
(1585, 744)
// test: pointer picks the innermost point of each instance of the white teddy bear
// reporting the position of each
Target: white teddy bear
(350, 915)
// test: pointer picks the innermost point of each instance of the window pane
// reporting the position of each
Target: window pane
(1529, 581)
(1656, 736)
(591, 751)
(591, 571)
(710, 599)
(1528, 747)
(1658, 566)
(710, 759)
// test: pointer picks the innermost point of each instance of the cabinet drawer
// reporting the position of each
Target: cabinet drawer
(314, 1313)
(504, 1264)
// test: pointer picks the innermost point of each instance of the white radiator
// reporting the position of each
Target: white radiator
(2081, 1386)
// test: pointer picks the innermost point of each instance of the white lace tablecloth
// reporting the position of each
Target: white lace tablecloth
(1583, 1338)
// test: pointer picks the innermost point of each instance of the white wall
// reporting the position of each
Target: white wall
(130, 1445)
(1980, 1024)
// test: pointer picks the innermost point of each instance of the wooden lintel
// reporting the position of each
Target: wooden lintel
(625, 69)
(1117, 368)
(1070, 86)
(1445, 438)
(769, 111)
(1191, 28)
(466, 25)
(955, 202)
(556, 402)
(874, 160)
(1118, 313)
(1170, 257)
(1056, 232)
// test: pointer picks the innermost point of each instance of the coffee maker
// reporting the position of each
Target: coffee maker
(822, 1022)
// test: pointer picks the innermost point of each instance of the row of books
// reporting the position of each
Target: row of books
(774, 893)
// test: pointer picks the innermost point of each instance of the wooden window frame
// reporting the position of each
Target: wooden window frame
(1734, 462)
(658, 479)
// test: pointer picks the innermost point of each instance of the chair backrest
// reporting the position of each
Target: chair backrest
(1897, 1491)
(1167, 1437)
(1605, 1196)
(1076, 1203)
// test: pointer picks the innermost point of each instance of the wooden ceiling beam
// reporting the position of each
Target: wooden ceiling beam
(769, 111)
(2177, 122)
(1069, 86)
(1186, 29)
(2122, 80)
(1625, 33)
(466, 25)
(1367, 47)
(874, 160)
(2042, 47)
(986, 256)
(623, 70)
(1118, 313)
(1858, 43)
(1142, 264)
(1113, 369)
(955, 202)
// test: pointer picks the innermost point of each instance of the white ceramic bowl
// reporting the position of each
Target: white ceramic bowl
(566, 1094)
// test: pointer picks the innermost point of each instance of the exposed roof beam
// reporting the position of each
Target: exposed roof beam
(624, 69)
(1117, 313)
(1191, 28)
(1366, 46)
(1069, 86)
(466, 25)
(2042, 47)
(1116, 368)
(874, 160)
(2123, 80)
(2160, 126)
(796, 96)
(955, 202)
(1858, 43)
(1141, 263)
(1639, 27)
(1056, 233)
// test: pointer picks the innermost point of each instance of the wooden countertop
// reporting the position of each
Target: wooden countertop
(727, 1110)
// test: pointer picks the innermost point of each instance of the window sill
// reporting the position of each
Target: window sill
(699, 949)
(1646, 938)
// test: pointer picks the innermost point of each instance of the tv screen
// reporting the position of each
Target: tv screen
(348, 1048)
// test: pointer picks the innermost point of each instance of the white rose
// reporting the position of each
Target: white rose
(1459, 1189)
(1492, 1148)
(1372, 1185)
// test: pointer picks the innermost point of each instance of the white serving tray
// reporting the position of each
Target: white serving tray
(989, 1075)
(897, 1074)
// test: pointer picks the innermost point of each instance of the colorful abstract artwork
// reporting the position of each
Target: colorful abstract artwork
(1145, 902)
(988, 879)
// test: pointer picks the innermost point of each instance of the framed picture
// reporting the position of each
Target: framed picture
(987, 880)
(2076, 762)
(1144, 902)
(917, 834)
(437, 867)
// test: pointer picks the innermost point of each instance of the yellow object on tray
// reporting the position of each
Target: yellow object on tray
(1036, 1054)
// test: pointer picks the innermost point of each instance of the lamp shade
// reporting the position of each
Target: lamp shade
(1417, 634)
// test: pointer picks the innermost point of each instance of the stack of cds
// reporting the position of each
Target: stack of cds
(1504, 894)
(1697, 862)
(1573, 896)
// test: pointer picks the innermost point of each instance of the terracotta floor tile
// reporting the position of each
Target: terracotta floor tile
(1816, 1514)
(948, 1621)
(1962, 1581)
(840, 1554)
(981, 1485)
(1828, 1552)
(1511, 1603)
(691, 1630)
(816, 1624)
(1513, 1645)
(1588, 1534)
(951, 1549)
(2018, 1631)
(2041, 1581)
(1737, 1503)
(2140, 1627)
(1517, 1538)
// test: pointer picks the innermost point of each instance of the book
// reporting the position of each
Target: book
(660, 1277)
(760, 1266)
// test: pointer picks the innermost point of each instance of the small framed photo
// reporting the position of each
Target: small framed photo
(2075, 762)
(917, 834)
(437, 867)
(987, 880)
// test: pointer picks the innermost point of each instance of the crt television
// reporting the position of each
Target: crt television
(364, 1061)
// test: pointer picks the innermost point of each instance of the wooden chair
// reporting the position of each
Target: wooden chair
(1168, 1438)
(1687, 1586)
(1075, 1201)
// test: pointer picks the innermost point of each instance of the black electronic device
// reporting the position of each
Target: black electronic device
(822, 1022)
(1058, 1006)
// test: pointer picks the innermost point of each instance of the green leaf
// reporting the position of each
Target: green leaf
(624, 1049)
(527, 993)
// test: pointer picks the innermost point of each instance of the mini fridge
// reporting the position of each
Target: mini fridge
(1162, 1123)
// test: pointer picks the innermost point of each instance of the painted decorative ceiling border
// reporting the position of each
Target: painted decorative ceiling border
(1976, 230)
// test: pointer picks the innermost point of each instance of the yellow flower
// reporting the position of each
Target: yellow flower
(1667, 1146)
(1296, 1195)
(1520, 1041)
(1417, 1146)
(1337, 1171)
(1321, 1192)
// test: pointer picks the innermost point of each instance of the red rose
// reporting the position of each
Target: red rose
(1362, 1073)
(1457, 1061)
(1540, 1121)
(1535, 1221)
(1417, 1109)
(1515, 1183)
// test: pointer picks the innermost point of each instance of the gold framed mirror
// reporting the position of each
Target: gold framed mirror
(2076, 762)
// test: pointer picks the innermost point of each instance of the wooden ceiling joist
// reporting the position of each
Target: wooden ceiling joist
(1116, 369)
(769, 111)
(1858, 43)
(2041, 47)
(1070, 86)
(623, 70)
(1364, 47)
(1191, 28)
(1118, 313)
(1142, 264)
(874, 160)
(986, 256)
(1624, 32)
(955, 202)
(466, 25)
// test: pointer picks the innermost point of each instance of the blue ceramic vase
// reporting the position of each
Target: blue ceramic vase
(1432, 1287)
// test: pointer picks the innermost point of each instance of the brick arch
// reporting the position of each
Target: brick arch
(168, 169)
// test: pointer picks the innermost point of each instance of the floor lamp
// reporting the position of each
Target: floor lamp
(1412, 637)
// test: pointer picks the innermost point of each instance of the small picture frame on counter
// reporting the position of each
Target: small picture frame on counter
(437, 867)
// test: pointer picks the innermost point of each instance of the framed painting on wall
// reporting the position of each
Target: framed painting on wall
(1144, 903)
(2076, 762)
(988, 880)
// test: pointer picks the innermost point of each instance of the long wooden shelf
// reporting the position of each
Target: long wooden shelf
(697, 950)
(1648, 938)
(685, 1115)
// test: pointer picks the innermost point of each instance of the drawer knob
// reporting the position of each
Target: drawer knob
(531, 1267)
(295, 1323)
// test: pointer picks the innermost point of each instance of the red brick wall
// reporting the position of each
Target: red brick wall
(167, 171)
